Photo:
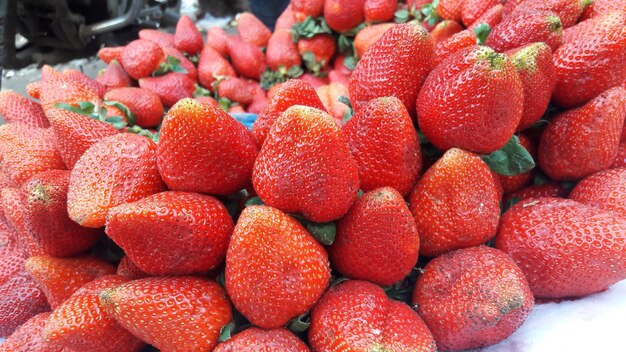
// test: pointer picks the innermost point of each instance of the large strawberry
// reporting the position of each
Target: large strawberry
(144, 104)
(281, 51)
(114, 76)
(384, 143)
(343, 15)
(459, 105)
(252, 30)
(28, 337)
(212, 64)
(605, 190)
(255, 339)
(181, 314)
(396, 65)
(472, 297)
(248, 59)
(556, 243)
(456, 203)
(582, 141)
(567, 10)
(170, 87)
(358, 316)
(524, 28)
(368, 36)
(203, 149)
(187, 38)
(141, 57)
(317, 175)
(118, 169)
(15, 108)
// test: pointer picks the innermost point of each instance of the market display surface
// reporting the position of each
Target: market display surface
(370, 176)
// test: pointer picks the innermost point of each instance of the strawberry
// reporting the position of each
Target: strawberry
(337, 76)
(201, 310)
(535, 69)
(118, 169)
(212, 64)
(567, 10)
(368, 36)
(519, 181)
(215, 156)
(114, 76)
(358, 316)
(207, 100)
(144, 104)
(127, 268)
(292, 92)
(255, 339)
(602, 42)
(108, 54)
(314, 80)
(450, 9)
(235, 89)
(187, 38)
(524, 28)
(379, 10)
(259, 99)
(343, 15)
(471, 10)
(15, 108)
(601, 7)
(384, 144)
(10, 243)
(59, 278)
(28, 337)
(444, 30)
(456, 203)
(377, 240)
(45, 217)
(492, 17)
(170, 87)
(21, 296)
(604, 190)
(184, 62)
(396, 65)
(163, 39)
(555, 243)
(13, 213)
(329, 95)
(458, 105)
(620, 161)
(252, 30)
(216, 39)
(583, 141)
(303, 136)
(510, 6)
(275, 269)
(247, 59)
(86, 81)
(301, 9)
(551, 189)
(236, 109)
(141, 57)
(461, 40)
(81, 323)
(472, 297)
(175, 225)
(281, 51)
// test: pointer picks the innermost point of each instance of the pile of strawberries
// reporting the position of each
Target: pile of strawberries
(409, 186)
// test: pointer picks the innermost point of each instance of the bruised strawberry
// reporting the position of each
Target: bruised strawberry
(582, 141)
(86, 81)
(601, 7)
(556, 244)
(275, 269)
(118, 169)
(248, 59)
(567, 10)
(108, 54)
(358, 316)
(551, 189)
(255, 339)
(59, 278)
(368, 36)
(13, 212)
(216, 38)
(471, 10)
(516, 182)
(127, 268)
(281, 51)
(444, 30)
(212, 64)
(525, 28)
(492, 17)
(144, 104)
(605, 190)
(384, 144)
(141, 57)
(456, 203)
(163, 39)
(15, 108)
(304, 136)
(379, 10)
(396, 65)
(114, 76)
(472, 297)
(170, 88)
(343, 15)
(28, 337)
(187, 38)
(329, 95)
(202, 309)
(81, 323)
(252, 30)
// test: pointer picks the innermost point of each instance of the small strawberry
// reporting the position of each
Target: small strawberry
(255, 339)
(114, 76)
(248, 59)
(444, 30)
(286, 20)
(492, 17)
(252, 30)
(108, 54)
(601, 7)
(212, 64)
(216, 38)
(472, 297)
(275, 269)
(471, 10)
(59, 278)
(86, 81)
(281, 51)
(306, 8)
(329, 95)
(519, 181)
(379, 10)
(13, 213)
(127, 268)
(144, 104)
(170, 87)
(141, 57)
(358, 316)
(163, 39)
(524, 28)
(551, 189)
(567, 10)
(343, 15)
(187, 38)
(15, 108)
(368, 36)
(28, 337)
(604, 190)
(193, 323)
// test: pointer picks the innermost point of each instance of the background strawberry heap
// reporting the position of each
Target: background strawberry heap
(418, 174)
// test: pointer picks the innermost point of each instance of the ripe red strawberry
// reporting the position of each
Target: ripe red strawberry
(114, 76)
(215, 156)
(456, 203)
(292, 92)
(236, 109)
(141, 57)
(286, 20)
(62, 91)
(13, 213)
(15, 108)
(216, 38)
(336, 76)
(144, 104)
(555, 243)
(86, 81)
(275, 269)
(314, 80)
(201, 310)
(212, 64)
(583, 141)
(524, 28)
(567, 10)
(28, 337)
(236, 89)
(510, 6)
(551, 189)
(601, 7)
(207, 100)
(187, 38)
(252, 30)
(535, 69)
(304, 136)
(450, 9)
(59, 278)
(343, 15)
(358, 316)
(185, 63)
(255, 339)
(458, 104)
(620, 160)
(329, 95)
(81, 323)
(377, 240)
(368, 36)
(10, 243)
(384, 144)
(118, 169)
(170, 87)
(461, 40)
(248, 59)
(492, 17)
(471, 10)
(281, 51)
(21, 296)
(130, 270)
(305, 8)
(602, 42)
(108, 54)
(396, 65)
(444, 30)
(605, 190)
(519, 181)
(163, 39)
(472, 297)
(379, 10)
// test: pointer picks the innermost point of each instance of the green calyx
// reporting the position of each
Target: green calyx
(300, 323)
(226, 331)
(270, 78)
(88, 109)
(309, 28)
(556, 26)
(171, 64)
(482, 32)
(349, 111)
(510, 160)
(314, 66)
(429, 12)
(143, 132)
